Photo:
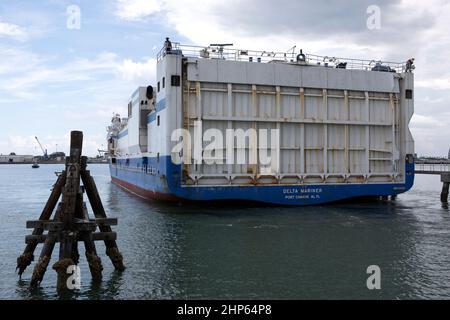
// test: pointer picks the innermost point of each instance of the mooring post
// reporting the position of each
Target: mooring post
(69, 205)
(71, 224)
(445, 179)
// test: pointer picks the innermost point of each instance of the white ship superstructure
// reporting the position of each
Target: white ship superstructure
(341, 128)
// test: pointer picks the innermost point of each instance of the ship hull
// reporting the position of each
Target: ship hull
(162, 183)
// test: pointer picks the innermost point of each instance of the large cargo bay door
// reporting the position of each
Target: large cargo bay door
(322, 135)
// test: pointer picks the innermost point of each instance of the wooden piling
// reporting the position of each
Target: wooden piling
(91, 189)
(445, 179)
(61, 267)
(44, 259)
(71, 224)
(94, 262)
(27, 256)
(46, 253)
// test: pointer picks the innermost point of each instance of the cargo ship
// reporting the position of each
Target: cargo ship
(285, 128)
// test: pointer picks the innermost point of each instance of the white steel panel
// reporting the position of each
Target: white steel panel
(332, 128)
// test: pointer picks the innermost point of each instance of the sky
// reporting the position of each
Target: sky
(69, 65)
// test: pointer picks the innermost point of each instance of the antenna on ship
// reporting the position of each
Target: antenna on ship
(220, 47)
(292, 52)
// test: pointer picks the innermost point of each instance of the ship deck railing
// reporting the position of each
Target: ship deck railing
(225, 53)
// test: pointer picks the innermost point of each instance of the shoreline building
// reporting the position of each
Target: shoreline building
(13, 158)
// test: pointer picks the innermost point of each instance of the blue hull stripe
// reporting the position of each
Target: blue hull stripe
(161, 105)
(123, 134)
(165, 177)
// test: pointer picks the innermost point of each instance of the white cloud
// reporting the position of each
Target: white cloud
(135, 10)
(139, 73)
(39, 74)
(20, 142)
(420, 121)
(83, 93)
(15, 60)
(265, 24)
(436, 83)
(431, 134)
(12, 31)
(31, 73)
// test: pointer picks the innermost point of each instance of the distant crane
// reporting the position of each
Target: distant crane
(44, 151)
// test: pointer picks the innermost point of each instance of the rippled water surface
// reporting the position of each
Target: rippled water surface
(238, 252)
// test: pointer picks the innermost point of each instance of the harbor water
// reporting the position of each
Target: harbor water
(232, 251)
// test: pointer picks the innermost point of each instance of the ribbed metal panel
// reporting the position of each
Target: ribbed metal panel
(327, 135)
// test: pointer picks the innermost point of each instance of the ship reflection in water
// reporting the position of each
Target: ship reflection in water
(238, 252)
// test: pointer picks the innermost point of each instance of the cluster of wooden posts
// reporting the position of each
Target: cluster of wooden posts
(70, 224)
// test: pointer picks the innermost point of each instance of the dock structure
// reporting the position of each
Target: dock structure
(441, 168)
(71, 224)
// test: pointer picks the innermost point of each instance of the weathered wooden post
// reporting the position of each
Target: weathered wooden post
(69, 205)
(445, 179)
(27, 256)
(112, 250)
(71, 224)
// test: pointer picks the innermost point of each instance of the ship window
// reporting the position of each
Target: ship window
(157, 121)
(164, 82)
(175, 81)
(159, 86)
(130, 109)
(409, 94)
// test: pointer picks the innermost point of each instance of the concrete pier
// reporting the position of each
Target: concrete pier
(445, 179)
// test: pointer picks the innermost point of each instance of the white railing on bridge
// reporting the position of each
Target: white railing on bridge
(220, 52)
(435, 167)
